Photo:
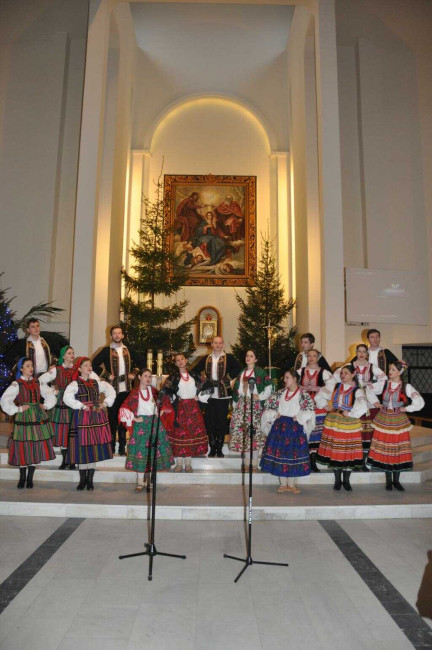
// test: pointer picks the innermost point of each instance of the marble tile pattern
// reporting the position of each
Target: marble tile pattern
(84, 597)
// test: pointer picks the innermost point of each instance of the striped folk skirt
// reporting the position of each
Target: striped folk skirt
(89, 437)
(286, 450)
(390, 450)
(367, 428)
(240, 423)
(189, 438)
(139, 455)
(61, 416)
(31, 441)
(341, 442)
(315, 436)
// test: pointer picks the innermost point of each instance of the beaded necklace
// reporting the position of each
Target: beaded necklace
(287, 398)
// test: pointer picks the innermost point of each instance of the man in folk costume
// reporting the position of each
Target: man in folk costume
(378, 356)
(220, 369)
(36, 348)
(113, 363)
(307, 341)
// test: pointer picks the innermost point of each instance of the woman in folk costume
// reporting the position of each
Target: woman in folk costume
(316, 381)
(188, 437)
(61, 376)
(31, 441)
(89, 434)
(371, 380)
(259, 389)
(390, 450)
(139, 413)
(286, 452)
(341, 441)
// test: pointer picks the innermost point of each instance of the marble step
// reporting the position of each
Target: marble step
(211, 477)
(216, 502)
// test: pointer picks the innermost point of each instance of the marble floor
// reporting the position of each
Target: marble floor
(76, 593)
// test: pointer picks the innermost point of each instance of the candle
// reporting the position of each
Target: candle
(159, 363)
(150, 359)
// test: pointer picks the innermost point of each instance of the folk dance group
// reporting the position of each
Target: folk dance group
(347, 420)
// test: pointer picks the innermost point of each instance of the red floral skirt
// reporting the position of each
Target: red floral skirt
(188, 438)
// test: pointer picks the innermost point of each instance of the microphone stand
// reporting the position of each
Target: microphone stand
(248, 560)
(150, 547)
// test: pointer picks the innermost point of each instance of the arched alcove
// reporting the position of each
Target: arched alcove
(212, 135)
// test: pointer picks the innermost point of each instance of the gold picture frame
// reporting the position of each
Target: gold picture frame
(212, 223)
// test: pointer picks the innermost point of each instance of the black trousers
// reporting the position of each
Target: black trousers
(114, 424)
(216, 421)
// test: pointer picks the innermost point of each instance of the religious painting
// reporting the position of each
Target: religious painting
(212, 222)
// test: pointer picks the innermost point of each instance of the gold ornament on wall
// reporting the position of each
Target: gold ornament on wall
(209, 325)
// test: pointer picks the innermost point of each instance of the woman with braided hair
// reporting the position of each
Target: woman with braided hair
(140, 413)
(286, 452)
(341, 441)
(90, 434)
(61, 376)
(31, 441)
(390, 449)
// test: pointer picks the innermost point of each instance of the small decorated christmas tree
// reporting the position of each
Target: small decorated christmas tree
(8, 336)
(10, 343)
(151, 316)
(263, 313)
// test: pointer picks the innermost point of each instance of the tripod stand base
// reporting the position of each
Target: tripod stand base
(151, 552)
(249, 561)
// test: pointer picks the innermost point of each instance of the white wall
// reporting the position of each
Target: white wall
(191, 143)
(385, 92)
(42, 46)
(198, 49)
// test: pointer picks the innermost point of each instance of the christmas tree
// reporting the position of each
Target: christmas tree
(8, 336)
(10, 325)
(266, 306)
(150, 313)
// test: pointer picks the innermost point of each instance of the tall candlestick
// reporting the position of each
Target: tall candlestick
(150, 360)
(159, 363)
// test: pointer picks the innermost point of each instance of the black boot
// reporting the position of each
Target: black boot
(30, 473)
(389, 485)
(90, 475)
(313, 464)
(396, 482)
(346, 480)
(63, 453)
(22, 478)
(212, 452)
(113, 444)
(83, 479)
(72, 466)
(219, 452)
(365, 468)
(338, 479)
(122, 441)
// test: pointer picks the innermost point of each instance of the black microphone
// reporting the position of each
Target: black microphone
(251, 383)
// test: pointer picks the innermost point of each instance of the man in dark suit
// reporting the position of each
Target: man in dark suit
(114, 363)
(220, 369)
(307, 341)
(381, 357)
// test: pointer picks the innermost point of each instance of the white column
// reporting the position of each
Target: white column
(89, 177)
(138, 186)
(283, 220)
(332, 311)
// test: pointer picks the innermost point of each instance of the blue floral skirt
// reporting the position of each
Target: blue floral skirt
(286, 451)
